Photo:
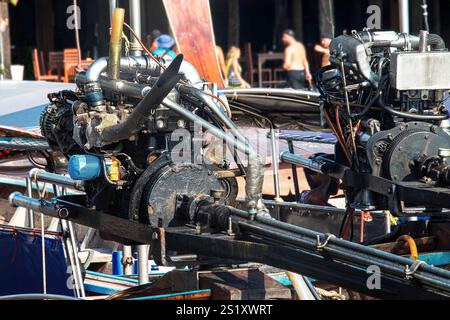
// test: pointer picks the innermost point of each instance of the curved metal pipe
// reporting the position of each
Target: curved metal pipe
(131, 63)
(255, 168)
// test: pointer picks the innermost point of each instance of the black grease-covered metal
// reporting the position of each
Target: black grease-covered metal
(137, 118)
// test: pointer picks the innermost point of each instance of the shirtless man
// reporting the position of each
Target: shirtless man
(295, 61)
(324, 49)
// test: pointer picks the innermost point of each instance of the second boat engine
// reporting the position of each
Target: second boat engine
(384, 97)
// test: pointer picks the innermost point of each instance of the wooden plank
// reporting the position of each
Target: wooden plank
(6, 40)
(243, 285)
(191, 24)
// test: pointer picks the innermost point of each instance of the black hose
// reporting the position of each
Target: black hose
(436, 42)
(410, 116)
(141, 112)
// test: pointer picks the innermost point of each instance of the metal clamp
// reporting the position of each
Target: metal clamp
(322, 245)
(409, 271)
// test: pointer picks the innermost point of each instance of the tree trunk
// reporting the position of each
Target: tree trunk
(326, 18)
(45, 26)
(435, 17)
(5, 45)
(233, 23)
(297, 18)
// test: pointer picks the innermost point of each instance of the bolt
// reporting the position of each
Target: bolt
(198, 229)
(160, 124)
(63, 213)
(155, 236)
(230, 228)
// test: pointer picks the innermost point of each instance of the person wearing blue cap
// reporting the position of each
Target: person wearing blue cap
(165, 45)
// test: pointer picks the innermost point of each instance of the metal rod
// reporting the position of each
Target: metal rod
(76, 258)
(30, 211)
(127, 260)
(425, 15)
(135, 17)
(112, 6)
(69, 235)
(44, 264)
(143, 263)
(404, 15)
(52, 178)
(340, 242)
(294, 172)
(275, 169)
(316, 165)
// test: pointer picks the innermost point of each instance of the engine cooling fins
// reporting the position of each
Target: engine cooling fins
(141, 112)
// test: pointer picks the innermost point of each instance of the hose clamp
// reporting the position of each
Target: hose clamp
(410, 270)
(322, 245)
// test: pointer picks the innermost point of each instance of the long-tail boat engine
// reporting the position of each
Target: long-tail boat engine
(384, 96)
(133, 133)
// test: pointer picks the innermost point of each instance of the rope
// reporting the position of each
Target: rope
(333, 295)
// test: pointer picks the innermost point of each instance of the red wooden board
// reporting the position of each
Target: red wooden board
(191, 24)
(13, 132)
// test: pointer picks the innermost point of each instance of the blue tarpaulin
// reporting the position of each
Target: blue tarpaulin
(21, 264)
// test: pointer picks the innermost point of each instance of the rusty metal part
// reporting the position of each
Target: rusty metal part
(115, 44)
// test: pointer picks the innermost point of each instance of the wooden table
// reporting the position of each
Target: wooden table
(263, 58)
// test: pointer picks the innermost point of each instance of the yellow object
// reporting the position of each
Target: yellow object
(412, 246)
(393, 220)
(115, 43)
(114, 170)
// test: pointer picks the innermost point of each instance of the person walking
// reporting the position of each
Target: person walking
(234, 69)
(295, 62)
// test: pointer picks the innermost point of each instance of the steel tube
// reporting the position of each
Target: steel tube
(127, 260)
(30, 211)
(135, 17)
(143, 263)
(52, 178)
(276, 178)
(112, 6)
(348, 255)
(72, 248)
(312, 164)
(340, 242)
(404, 15)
